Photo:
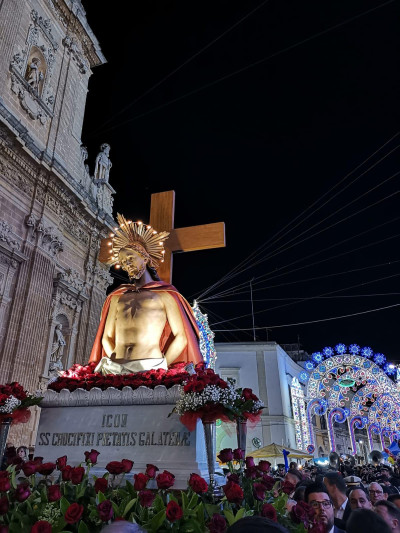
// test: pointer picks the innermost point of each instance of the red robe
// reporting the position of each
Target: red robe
(192, 351)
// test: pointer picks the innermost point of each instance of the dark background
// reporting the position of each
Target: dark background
(258, 148)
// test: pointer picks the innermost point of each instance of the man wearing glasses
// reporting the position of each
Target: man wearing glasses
(317, 496)
(376, 492)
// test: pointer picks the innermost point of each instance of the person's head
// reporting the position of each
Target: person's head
(281, 470)
(366, 521)
(22, 451)
(390, 513)
(376, 492)
(255, 524)
(293, 476)
(298, 495)
(292, 465)
(394, 498)
(133, 260)
(307, 473)
(318, 497)
(359, 499)
(336, 485)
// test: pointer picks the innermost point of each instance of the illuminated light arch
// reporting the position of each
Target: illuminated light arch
(319, 407)
(356, 381)
(335, 415)
(206, 342)
(299, 414)
(373, 428)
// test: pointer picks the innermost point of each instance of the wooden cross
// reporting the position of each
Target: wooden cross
(188, 239)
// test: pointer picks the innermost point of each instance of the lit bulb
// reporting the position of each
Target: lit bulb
(117, 266)
(111, 234)
(139, 222)
(109, 243)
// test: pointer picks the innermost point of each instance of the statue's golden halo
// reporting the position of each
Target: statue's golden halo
(140, 237)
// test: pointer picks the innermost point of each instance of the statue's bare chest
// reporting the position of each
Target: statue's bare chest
(139, 304)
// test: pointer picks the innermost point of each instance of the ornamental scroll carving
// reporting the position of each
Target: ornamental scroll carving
(7, 236)
(49, 238)
(160, 395)
(98, 276)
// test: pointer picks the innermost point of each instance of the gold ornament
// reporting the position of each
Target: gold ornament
(140, 237)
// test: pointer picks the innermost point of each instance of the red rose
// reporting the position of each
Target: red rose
(165, 480)
(4, 505)
(173, 511)
(233, 492)
(233, 477)
(318, 527)
(217, 524)
(61, 462)
(115, 467)
(264, 466)
(127, 464)
(251, 473)
(269, 511)
(250, 462)
(105, 510)
(66, 473)
(198, 484)
(226, 455)
(22, 492)
(100, 485)
(46, 468)
(38, 460)
(238, 454)
(247, 394)
(151, 471)
(301, 512)
(5, 484)
(259, 491)
(140, 481)
(146, 498)
(91, 457)
(53, 493)
(77, 474)
(288, 487)
(29, 468)
(73, 513)
(41, 527)
(268, 481)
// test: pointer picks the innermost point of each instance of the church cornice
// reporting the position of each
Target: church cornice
(64, 10)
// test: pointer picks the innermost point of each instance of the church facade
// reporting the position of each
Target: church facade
(53, 211)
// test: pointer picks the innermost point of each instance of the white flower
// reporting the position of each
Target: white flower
(10, 405)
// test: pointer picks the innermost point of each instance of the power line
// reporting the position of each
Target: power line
(251, 256)
(251, 65)
(313, 321)
(177, 69)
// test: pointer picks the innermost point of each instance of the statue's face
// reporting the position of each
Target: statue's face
(132, 262)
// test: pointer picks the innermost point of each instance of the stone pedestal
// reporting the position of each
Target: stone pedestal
(126, 424)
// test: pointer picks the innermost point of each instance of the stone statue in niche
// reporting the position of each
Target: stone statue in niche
(56, 365)
(103, 164)
(34, 74)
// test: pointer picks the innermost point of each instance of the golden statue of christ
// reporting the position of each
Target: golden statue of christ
(145, 324)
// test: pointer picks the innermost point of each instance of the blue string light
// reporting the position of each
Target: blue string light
(340, 348)
(317, 357)
(354, 349)
(328, 351)
(367, 352)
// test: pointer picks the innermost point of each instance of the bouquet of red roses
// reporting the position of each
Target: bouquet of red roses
(14, 403)
(248, 406)
(204, 395)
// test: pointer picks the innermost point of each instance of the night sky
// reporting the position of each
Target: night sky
(263, 129)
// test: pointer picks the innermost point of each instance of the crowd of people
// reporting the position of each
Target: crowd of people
(360, 499)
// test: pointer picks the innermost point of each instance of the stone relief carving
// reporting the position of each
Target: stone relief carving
(98, 276)
(111, 396)
(74, 51)
(72, 279)
(7, 236)
(49, 238)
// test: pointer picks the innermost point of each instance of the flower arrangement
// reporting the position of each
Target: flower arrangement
(14, 403)
(204, 395)
(50, 497)
(84, 377)
(248, 406)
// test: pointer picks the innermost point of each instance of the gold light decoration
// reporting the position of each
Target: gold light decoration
(137, 236)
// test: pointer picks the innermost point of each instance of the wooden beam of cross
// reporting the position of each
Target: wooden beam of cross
(188, 239)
